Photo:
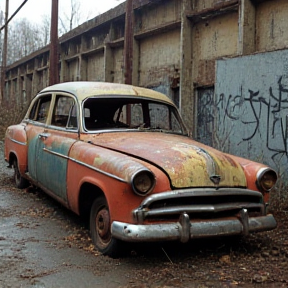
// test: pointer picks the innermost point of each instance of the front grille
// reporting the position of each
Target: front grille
(202, 200)
(200, 204)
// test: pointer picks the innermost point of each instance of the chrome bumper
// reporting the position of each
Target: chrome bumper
(186, 229)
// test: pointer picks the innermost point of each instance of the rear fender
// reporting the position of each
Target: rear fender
(16, 146)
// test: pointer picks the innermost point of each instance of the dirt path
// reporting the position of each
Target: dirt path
(44, 245)
(41, 246)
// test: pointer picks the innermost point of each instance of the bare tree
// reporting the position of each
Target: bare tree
(72, 19)
(45, 29)
(25, 38)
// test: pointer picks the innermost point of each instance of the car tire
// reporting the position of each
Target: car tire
(20, 182)
(100, 229)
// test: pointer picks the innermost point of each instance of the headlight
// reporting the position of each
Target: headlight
(143, 182)
(266, 179)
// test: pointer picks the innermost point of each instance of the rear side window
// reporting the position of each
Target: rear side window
(40, 109)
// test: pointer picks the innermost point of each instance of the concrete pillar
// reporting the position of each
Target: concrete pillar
(186, 84)
(247, 27)
(18, 92)
(31, 91)
(64, 70)
(83, 60)
(26, 94)
(36, 85)
(82, 68)
(136, 60)
(35, 79)
(108, 63)
(108, 56)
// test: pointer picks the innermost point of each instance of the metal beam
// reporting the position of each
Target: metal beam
(128, 42)
(54, 71)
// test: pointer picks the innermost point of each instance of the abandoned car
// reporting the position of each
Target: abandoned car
(121, 155)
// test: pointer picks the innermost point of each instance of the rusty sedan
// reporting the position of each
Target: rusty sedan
(120, 155)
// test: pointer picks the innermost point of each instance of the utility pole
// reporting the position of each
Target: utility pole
(4, 55)
(53, 68)
(128, 42)
(128, 49)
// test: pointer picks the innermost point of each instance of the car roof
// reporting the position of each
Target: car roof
(84, 89)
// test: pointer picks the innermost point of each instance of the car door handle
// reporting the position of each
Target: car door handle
(43, 136)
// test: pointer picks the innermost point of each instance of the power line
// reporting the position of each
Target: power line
(19, 8)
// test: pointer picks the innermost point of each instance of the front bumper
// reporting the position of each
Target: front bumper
(186, 229)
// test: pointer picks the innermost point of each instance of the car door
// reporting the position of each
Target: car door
(53, 144)
(35, 126)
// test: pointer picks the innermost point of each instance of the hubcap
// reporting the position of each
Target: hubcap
(103, 223)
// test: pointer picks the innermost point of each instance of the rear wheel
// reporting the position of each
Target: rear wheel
(20, 182)
(100, 228)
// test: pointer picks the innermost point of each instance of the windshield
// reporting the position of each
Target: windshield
(130, 113)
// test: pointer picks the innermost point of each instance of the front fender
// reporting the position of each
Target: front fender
(111, 172)
(110, 163)
(251, 170)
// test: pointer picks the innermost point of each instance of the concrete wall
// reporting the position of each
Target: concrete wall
(95, 64)
(159, 61)
(218, 30)
(271, 25)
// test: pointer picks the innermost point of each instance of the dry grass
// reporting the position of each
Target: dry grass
(10, 114)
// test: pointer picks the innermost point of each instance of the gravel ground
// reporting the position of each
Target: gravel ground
(259, 260)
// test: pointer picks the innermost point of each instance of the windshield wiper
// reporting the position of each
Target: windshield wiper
(158, 129)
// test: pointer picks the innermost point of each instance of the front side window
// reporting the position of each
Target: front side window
(64, 112)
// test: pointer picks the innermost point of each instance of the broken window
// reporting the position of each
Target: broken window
(131, 113)
(65, 112)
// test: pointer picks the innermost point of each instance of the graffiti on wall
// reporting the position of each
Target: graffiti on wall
(248, 123)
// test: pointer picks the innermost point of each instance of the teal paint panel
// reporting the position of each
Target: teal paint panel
(52, 165)
(32, 148)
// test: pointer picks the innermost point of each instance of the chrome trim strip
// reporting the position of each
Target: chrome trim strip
(86, 165)
(262, 171)
(195, 229)
(99, 170)
(99, 131)
(194, 192)
(55, 153)
(18, 142)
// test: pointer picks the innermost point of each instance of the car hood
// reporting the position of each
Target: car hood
(186, 162)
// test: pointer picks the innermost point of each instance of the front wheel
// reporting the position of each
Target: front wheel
(20, 182)
(100, 229)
